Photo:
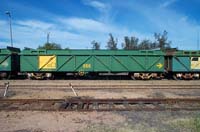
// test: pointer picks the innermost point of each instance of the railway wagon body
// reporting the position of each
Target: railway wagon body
(141, 64)
(186, 64)
(9, 61)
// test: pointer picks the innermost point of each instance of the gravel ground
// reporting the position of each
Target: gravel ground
(135, 121)
(140, 121)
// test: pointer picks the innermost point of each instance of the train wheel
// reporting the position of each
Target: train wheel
(157, 76)
(195, 76)
(131, 75)
(3, 75)
(49, 76)
(93, 75)
(146, 76)
(177, 77)
(174, 77)
(37, 76)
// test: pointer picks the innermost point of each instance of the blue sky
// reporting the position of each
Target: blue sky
(75, 23)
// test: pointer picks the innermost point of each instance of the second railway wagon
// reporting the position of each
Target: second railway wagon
(137, 63)
(9, 62)
(185, 64)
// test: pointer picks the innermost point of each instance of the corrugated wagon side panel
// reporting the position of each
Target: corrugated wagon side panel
(29, 63)
(102, 63)
(92, 61)
(186, 61)
(5, 62)
(9, 59)
(110, 63)
(127, 63)
(155, 63)
(65, 63)
(181, 64)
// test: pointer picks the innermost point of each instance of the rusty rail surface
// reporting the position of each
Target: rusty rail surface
(85, 104)
(101, 87)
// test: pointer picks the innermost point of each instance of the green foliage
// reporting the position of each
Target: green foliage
(50, 46)
(144, 45)
(161, 40)
(95, 45)
(130, 43)
(67, 48)
(112, 43)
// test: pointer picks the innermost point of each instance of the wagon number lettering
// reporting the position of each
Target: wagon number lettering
(86, 66)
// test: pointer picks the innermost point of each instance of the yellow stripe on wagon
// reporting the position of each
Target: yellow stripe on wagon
(47, 62)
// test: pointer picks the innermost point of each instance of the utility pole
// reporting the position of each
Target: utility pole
(11, 39)
(48, 35)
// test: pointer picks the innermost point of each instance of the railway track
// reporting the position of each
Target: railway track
(88, 104)
(67, 87)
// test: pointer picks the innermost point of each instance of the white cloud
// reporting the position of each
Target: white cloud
(35, 24)
(4, 44)
(86, 24)
(181, 31)
(4, 33)
(31, 33)
(69, 32)
(104, 8)
(97, 5)
(167, 3)
(2, 22)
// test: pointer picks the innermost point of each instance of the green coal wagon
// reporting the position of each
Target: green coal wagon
(140, 64)
(186, 64)
(9, 62)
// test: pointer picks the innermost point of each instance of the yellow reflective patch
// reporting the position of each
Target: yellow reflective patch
(86, 66)
(47, 62)
(159, 65)
(195, 62)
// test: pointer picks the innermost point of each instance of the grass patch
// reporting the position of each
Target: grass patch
(123, 128)
(189, 124)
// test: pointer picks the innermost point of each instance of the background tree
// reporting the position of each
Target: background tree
(153, 45)
(130, 43)
(161, 40)
(112, 43)
(95, 45)
(145, 44)
(67, 48)
(50, 46)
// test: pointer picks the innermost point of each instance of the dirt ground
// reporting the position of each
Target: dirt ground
(132, 121)
(135, 121)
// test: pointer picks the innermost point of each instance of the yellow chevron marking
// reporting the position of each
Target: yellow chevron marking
(159, 65)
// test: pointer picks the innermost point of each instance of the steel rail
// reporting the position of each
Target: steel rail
(103, 87)
(81, 104)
